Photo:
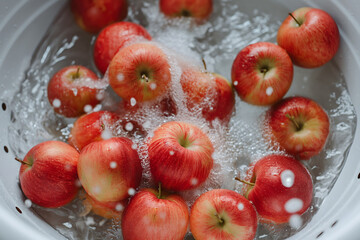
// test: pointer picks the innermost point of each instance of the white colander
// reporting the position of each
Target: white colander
(23, 24)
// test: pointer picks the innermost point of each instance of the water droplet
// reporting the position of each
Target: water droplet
(295, 221)
(132, 102)
(294, 205)
(236, 83)
(147, 124)
(88, 108)
(131, 191)
(240, 206)
(56, 103)
(134, 146)
(67, 224)
(171, 153)
(153, 86)
(287, 178)
(106, 134)
(100, 96)
(194, 181)
(75, 91)
(269, 91)
(119, 207)
(129, 127)
(90, 221)
(113, 165)
(28, 203)
(120, 77)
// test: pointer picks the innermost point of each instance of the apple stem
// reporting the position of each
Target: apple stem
(292, 119)
(204, 63)
(295, 19)
(144, 77)
(220, 219)
(159, 195)
(22, 162)
(77, 74)
(246, 182)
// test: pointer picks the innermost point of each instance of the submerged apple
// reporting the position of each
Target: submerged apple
(199, 9)
(48, 174)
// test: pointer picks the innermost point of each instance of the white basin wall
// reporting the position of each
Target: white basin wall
(22, 26)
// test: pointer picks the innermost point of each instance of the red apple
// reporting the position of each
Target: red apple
(280, 186)
(154, 215)
(209, 92)
(180, 156)
(223, 214)
(114, 37)
(199, 9)
(93, 15)
(310, 36)
(109, 169)
(105, 209)
(262, 73)
(48, 175)
(299, 125)
(140, 72)
(74, 90)
(93, 127)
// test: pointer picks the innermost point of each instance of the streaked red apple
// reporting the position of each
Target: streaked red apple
(199, 9)
(95, 126)
(74, 90)
(210, 93)
(223, 214)
(262, 73)
(114, 37)
(140, 72)
(180, 156)
(48, 174)
(280, 186)
(310, 36)
(109, 169)
(93, 15)
(155, 215)
(299, 126)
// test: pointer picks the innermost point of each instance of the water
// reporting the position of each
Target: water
(230, 28)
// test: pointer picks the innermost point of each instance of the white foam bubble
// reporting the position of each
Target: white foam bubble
(28, 203)
(287, 178)
(194, 181)
(153, 86)
(269, 91)
(134, 146)
(294, 205)
(90, 221)
(171, 153)
(240, 206)
(131, 191)
(120, 77)
(113, 165)
(236, 83)
(106, 134)
(67, 224)
(56, 103)
(295, 221)
(129, 127)
(132, 102)
(119, 207)
(88, 108)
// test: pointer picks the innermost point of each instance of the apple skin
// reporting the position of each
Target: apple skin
(313, 43)
(140, 71)
(114, 37)
(198, 9)
(51, 179)
(271, 194)
(107, 169)
(150, 217)
(223, 214)
(90, 127)
(93, 15)
(70, 90)
(299, 125)
(180, 156)
(262, 73)
(209, 91)
(109, 210)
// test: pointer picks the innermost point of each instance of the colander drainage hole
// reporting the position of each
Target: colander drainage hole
(6, 149)
(19, 210)
(359, 176)
(320, 234)
(332, 225)
(3, 105)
